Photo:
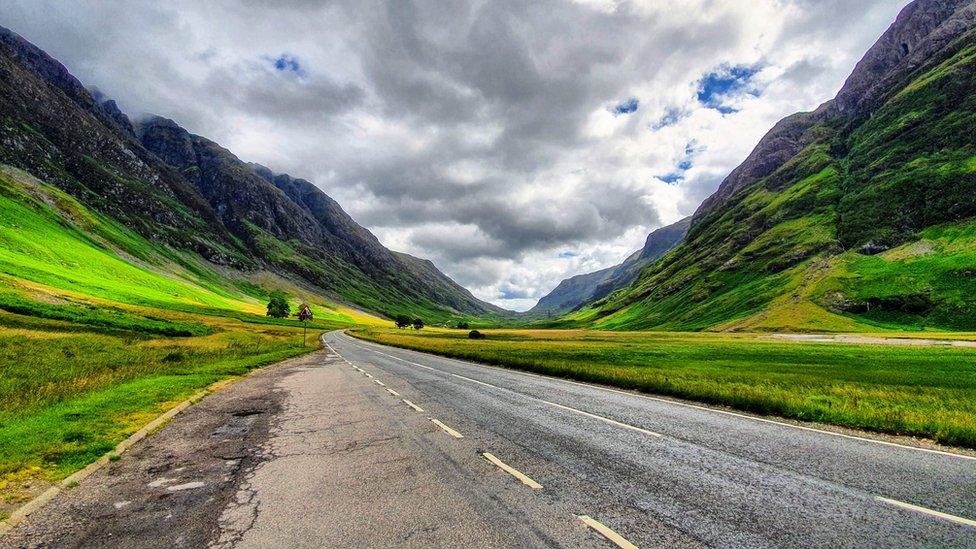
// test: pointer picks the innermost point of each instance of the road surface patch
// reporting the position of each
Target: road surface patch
(446, 429)
(186, 486)
(512, 471)
(926, 511)
(606, 532)
(412, 405)
(392, 392)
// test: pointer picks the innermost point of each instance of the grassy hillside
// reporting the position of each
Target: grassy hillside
(798, 249)
(198, 204)
(101, 330)
(921, 391)
(581, 289)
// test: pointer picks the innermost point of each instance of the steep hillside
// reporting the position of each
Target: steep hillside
(856, 216)
(201, 208)
(574, 292)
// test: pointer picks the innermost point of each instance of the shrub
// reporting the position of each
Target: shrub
(278, 306)
(475, 334)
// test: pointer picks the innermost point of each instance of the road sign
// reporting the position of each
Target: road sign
(304, 315)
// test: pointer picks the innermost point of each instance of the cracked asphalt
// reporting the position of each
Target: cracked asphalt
(314, 453)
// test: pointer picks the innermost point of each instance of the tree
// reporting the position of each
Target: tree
(402, 321)
(463, 325)
(278, 305)
(418, 324)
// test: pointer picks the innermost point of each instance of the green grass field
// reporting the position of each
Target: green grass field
(102, 330)
(69, 393)
(920, 391)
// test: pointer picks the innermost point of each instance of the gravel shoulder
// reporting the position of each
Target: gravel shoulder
(168, 490)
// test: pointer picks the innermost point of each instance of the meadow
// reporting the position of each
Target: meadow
(102, 330)
(69, 393)
(918, 391)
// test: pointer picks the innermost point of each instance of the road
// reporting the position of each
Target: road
(363, 445)
(651, 467)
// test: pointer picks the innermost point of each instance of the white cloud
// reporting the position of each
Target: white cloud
(474, 133)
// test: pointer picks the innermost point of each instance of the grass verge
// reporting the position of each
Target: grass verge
(69, 394)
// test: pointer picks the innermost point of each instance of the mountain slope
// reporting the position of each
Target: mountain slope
(580, 289)
(201, 207)
(855, 216)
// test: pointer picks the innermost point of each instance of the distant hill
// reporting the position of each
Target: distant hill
(574, 292)
(199, 205)
(856, 216)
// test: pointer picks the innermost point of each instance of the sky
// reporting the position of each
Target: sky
(513, 143)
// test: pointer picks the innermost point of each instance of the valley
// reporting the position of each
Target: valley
(817, 310)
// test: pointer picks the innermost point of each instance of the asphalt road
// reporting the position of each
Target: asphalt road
(657, 471)
(362, 445)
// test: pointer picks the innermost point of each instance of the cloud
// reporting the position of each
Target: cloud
(671, 116)
(484, 135)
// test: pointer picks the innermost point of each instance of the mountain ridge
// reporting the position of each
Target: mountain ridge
(195, 198)
(578, 290)
(824, 225)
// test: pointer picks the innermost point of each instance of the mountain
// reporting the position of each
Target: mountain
(574, 292)
(198, 208)
(856, 216)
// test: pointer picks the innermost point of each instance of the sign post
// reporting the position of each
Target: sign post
(304, 315)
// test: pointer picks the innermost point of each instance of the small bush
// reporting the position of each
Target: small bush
(278, 305)
(475, 334)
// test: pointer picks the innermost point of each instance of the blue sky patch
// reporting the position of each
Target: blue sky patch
(627, 107)
(672, 177)
(717, 88)
(567, 255)
(287, 63)
(513, 293)
(685, 164)
(671, 117)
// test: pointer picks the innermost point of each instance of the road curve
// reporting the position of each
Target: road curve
(656, 471)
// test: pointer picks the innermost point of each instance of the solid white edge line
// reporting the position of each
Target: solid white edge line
(512, 471)
(673, 402)
(606, 532)
(574, 410)
(605, 419)
(926, 511)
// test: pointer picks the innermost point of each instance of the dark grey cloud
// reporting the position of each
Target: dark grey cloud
(482, 134)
